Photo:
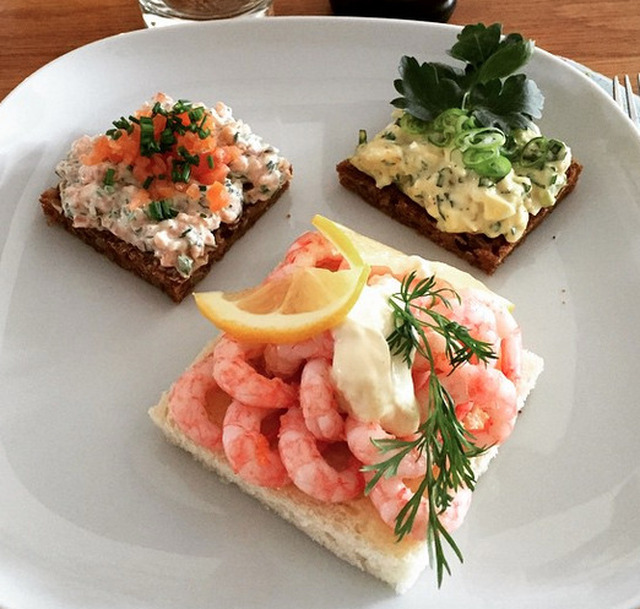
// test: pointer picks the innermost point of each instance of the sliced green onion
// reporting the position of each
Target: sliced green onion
(488, 137)
(540, 150)
(557, 150)
(494, 168)
(474, 157)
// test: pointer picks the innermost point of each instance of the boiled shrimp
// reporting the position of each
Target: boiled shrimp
(188, 400)
(486, 402)
(285, 359)
(360, 438)
(249, 450)
(318, 401)
(390, 495)
(307, 467)
(487, 319)
(471, 313)
(234, 373)
(510, 335)
(313, 249)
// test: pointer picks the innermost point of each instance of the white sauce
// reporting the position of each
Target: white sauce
(374, 385)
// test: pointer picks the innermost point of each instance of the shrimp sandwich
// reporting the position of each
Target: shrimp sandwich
(359, 393)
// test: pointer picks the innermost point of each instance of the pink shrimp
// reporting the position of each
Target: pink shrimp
(510, 336)
(469, 312)
(285, 359)
(248, 449)
(313, 249)
(235, 375)
(486, 402)
(390, 495)
(487, 319)
(359, 436)
(190, 400)
(308, 468)
(318, 401)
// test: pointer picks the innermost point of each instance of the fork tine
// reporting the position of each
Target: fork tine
(617, 92)
(631, 102)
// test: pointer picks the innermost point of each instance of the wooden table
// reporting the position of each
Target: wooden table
(601, 34)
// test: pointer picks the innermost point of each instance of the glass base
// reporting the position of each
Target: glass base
(163, 18)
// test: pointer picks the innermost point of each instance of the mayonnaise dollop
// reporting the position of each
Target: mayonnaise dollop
(372, 384)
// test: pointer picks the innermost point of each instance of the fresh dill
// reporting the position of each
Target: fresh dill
(441, 438)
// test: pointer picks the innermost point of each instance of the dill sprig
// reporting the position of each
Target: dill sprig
(448, 447)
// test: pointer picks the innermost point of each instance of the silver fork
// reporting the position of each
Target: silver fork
(626, 101)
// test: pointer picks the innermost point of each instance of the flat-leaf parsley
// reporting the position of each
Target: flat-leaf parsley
(487, 88)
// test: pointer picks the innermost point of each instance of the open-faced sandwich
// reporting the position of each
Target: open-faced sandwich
(359, 393)
(462, 160)
(167, 191)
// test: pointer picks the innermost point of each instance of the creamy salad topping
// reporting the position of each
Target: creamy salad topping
(165, 179)
(456, 196)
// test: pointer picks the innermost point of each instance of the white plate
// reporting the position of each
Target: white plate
(96, 510)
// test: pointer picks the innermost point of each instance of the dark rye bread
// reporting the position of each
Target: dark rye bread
(145, 264)
(478, 250)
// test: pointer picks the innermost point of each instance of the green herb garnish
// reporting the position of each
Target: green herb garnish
(161, 210)
(152, 142)
(486, 88)
(109, 177)
(446, 444)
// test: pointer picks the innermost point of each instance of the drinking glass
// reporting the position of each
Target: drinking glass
(167, 12)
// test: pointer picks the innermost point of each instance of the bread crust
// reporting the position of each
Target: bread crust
(145, 264)
(352, 531)
(482, 252)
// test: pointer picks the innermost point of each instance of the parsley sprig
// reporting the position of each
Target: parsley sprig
(487, 87)
(442, 439)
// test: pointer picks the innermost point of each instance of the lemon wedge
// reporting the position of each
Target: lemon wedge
(292, 306)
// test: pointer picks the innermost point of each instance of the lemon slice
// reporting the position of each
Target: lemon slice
(294, 306)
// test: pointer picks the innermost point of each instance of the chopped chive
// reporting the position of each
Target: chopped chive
(192, 159)
(109, 176)
(180, 171)
(161, 210)
(185, 265)
(148, 144)
(196, 114)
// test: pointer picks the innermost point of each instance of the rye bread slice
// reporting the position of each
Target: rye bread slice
(145, 264)
(481, 251)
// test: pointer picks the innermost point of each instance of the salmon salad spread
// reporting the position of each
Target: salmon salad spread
(164, 179)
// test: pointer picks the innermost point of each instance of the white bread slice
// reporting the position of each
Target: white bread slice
(353, 531)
